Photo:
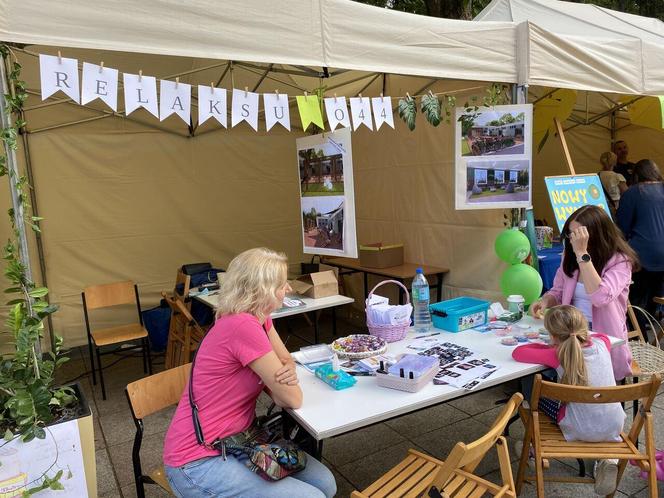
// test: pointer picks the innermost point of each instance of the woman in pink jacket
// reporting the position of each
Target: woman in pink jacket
(594, 276)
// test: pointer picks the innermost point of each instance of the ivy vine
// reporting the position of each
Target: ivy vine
(28, 400)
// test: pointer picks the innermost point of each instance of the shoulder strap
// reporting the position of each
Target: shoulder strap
(198, 429)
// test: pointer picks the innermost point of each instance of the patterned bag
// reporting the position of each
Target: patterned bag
(270, 455)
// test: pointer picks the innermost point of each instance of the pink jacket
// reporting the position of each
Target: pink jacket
(609, 304)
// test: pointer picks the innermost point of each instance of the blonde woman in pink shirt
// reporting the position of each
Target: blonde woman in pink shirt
(594, 276)
(240, 356)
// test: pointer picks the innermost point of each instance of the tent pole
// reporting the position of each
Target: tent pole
(613, 129)
(13, 174)
(563, 142)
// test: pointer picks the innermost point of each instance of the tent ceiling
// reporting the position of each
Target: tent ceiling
(321, 33)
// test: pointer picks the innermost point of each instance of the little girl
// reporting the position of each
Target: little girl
(580, 359)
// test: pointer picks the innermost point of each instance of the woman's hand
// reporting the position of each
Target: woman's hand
(287, 374)
(579, 240)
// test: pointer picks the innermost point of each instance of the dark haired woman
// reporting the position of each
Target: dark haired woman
(641, 219)
(594, 276)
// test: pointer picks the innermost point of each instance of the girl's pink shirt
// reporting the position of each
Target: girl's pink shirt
(609, 306)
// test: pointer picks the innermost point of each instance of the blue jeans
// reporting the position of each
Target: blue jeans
(221, 478)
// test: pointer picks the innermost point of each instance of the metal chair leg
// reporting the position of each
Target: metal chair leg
(147, 353)
(92, 362)
(582, 467)
(101, 375)
(145, 358)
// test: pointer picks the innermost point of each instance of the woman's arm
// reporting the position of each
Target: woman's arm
(587, 272)
(284, 394)
(287, 374)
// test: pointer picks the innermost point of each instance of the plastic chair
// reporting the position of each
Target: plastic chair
(548, 441)
(147, 396)
(184, 333)
(104, 296)
(419, 474)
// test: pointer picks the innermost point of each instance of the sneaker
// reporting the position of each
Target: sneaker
(606, 474)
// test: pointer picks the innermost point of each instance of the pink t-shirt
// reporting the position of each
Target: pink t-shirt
(225, 388)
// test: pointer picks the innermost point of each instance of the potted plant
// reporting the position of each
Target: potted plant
(47, 433)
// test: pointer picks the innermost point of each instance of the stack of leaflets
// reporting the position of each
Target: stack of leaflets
(459, 366)
(311, 357)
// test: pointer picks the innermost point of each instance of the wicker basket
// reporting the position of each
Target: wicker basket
(391, 333)
(649, 357)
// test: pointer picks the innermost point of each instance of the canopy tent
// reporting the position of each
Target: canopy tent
(584, 46)
(131, 197)
(609, 55)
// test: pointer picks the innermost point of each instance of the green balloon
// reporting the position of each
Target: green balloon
(512, 246)
(523, 280)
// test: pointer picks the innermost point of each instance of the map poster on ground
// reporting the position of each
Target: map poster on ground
(568, 193)
(23, 465)
(493, 157)
(327, 200)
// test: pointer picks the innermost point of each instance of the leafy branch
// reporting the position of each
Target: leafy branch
(28, 402)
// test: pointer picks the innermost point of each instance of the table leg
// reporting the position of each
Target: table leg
(315, 327)
(400, 292)
(334, 321)
(319, 450)
(366, 285)
(439, 286)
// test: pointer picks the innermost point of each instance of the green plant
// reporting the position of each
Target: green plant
(28, 399)
(408, 111)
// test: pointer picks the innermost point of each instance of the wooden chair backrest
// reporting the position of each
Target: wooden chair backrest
(156, 392)
(636, 332)
(178, 307)
(645, 391)
(102, 296)
(184, 280)
(468, 456)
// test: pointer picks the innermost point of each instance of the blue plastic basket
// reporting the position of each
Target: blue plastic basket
(461, 313)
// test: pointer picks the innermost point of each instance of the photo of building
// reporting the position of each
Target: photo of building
(497, 181)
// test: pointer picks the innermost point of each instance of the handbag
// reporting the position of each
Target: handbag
(269, 453)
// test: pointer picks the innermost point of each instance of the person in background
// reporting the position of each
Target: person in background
(623, 166)
(641, 218)
(238, 358)
(614, 183)
(594, 276)
(580, 359)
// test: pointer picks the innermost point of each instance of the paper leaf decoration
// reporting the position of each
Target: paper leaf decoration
(431, 109)
(408, 111)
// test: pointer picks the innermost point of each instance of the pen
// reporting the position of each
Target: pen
(426, 335)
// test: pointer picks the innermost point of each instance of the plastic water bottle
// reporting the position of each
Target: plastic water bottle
(420, 296)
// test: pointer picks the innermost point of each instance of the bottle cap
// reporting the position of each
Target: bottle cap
(335, 363)
(419, 270)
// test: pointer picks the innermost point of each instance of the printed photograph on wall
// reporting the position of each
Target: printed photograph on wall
(325, 170)
(493, 157)
(498, 181)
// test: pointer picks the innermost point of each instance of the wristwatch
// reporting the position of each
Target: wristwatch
(585, 258)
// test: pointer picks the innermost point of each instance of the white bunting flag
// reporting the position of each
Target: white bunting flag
(276, 110)
(382, 111)
(100, 83)
(174, 97)
(140, 91)
(212, 104)
(360, 109)
(245, 108)
(59, 73)
(337, 112)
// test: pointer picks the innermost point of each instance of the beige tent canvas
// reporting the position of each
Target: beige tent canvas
(131, 197)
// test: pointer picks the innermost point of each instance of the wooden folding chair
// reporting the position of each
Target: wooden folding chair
(418, 474)
(182, 287)
(104, 296)
(147, 396)
(548, 441)
(184, 333)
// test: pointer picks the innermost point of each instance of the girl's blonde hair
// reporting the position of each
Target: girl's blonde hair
(251, 283)
(570, 329)
(608, 159)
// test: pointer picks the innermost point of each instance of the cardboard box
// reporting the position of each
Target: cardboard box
(379, 255)
(316, 285)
